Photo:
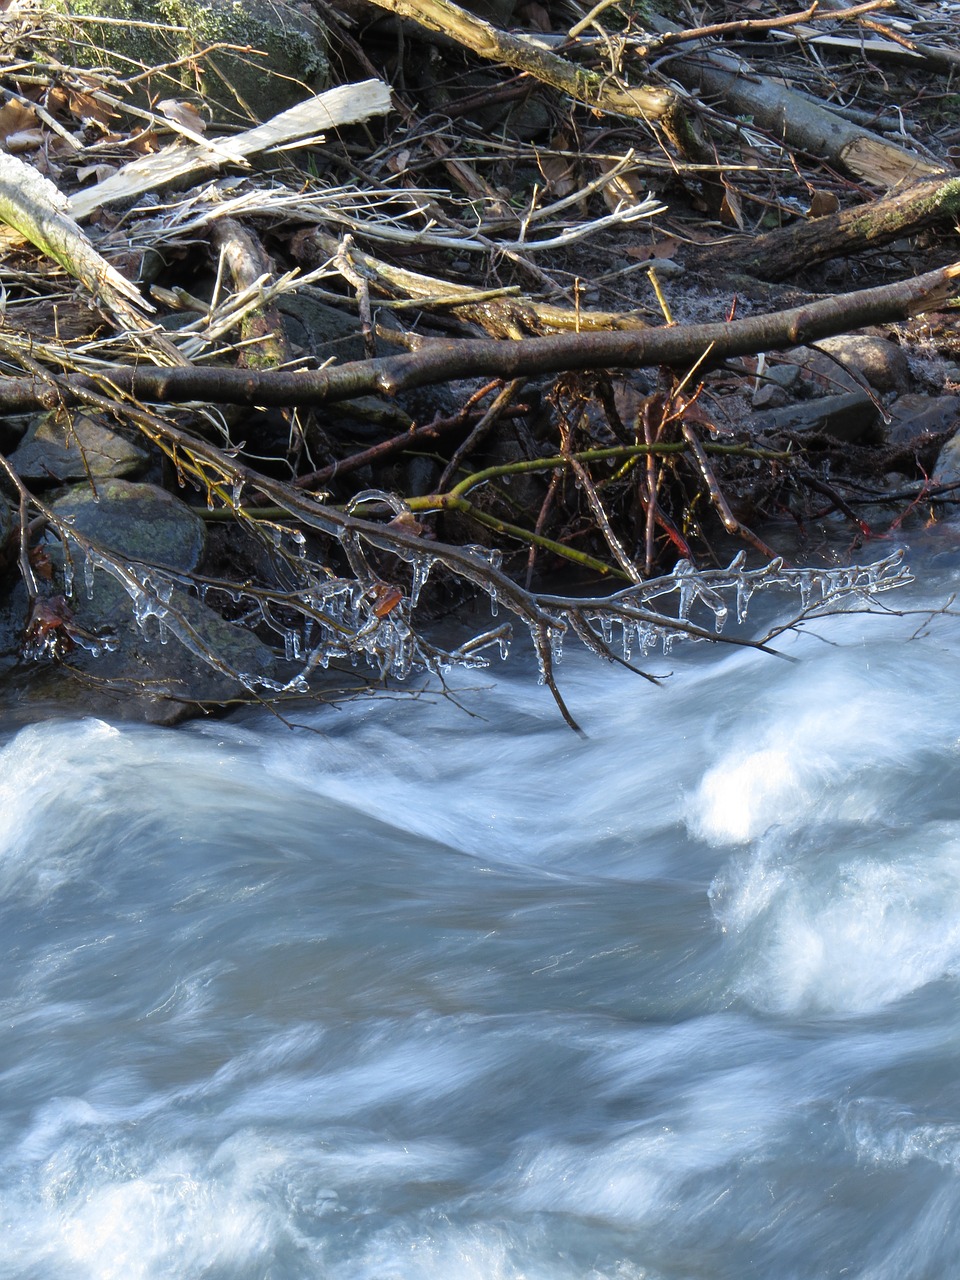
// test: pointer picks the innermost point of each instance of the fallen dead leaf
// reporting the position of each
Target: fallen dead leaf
(16, 117)
(626, 188)
(822, 203)
(98, 171)
(560, 174)
(183, 113)
(24, 140)
(731, 210)
(665, 248)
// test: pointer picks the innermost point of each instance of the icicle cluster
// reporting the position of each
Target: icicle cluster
(322, 618)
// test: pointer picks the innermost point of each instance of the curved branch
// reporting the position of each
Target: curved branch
(677, 346)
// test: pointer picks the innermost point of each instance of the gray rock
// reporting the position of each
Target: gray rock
(135, 521)
(61, 447)
(852, 417)
(947, 470)
(785, 375)
(879, 362)
(13, 595)
(914, 416)
(769, 396)
(319, 330)
(147, 670)
(13, 427)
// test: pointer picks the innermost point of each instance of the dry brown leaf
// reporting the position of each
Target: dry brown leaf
(184, 114)
(822, 203)
(16, 117)
(625, 189)
(98, 171)
(665, 248)
(559, 173)
(145, 144)
(85, 107)
(731, 210)
(399, 162)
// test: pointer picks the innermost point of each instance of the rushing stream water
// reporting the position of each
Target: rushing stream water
(413, 994)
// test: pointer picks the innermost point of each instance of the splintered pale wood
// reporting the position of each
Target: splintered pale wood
(37, 210)
(601, 92)
(347, 104)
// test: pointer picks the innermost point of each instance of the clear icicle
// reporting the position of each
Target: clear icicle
(687, 586)
(89, 571)
(556, 635)
(422, 566)
(744, 592)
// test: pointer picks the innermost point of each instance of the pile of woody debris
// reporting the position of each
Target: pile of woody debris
(660, 303)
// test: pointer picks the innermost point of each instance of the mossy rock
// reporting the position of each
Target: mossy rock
(135, 521)
(286, 64)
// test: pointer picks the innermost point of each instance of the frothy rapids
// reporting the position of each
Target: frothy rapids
(433, 990)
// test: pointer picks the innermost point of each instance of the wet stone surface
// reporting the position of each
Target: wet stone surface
(62, 447)
(141, 648)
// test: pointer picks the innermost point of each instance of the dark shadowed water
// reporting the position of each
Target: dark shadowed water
(426, 996)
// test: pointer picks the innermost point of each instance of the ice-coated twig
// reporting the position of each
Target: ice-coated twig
(320, 617)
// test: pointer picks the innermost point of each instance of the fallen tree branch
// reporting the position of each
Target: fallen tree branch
(794, 119)
(677, 346)
(781, 253)
(589, 87)
(352, 622)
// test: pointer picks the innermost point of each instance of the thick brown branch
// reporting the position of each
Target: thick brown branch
(678, 346)
(779, 254)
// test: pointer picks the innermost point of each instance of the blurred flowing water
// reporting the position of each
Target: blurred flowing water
(420, 993)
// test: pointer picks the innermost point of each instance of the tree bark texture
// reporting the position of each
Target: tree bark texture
(780, 254)
(677, 346)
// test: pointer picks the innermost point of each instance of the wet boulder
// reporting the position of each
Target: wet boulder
(61, 446)
(137, 640)
(880, 363)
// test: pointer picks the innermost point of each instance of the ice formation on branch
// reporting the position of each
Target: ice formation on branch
(367, 616)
